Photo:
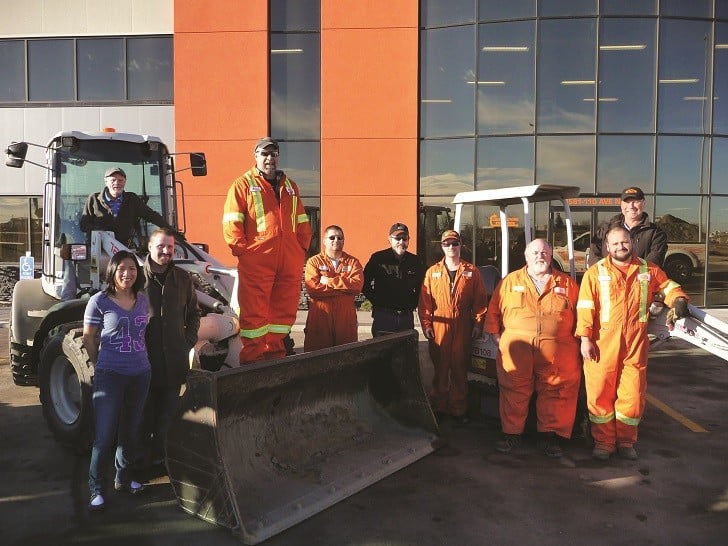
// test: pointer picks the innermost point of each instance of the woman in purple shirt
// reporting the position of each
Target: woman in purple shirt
(121, 373)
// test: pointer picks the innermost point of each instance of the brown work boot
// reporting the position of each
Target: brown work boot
(508, 442)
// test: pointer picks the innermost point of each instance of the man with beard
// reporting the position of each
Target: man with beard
(612, 316)
(531, 316)
(648, 240)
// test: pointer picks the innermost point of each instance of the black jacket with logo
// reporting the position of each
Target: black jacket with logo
(392, 283)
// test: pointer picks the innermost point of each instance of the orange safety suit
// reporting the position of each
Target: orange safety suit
(331, 311)
(613, 311)
(269, 235)
(451, 310)
(537, 351)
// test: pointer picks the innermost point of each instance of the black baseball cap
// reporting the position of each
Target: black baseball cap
(398, 228)
(265, 142)
(633, 192)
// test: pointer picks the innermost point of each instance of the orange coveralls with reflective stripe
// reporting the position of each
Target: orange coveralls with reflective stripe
(451, 312)
(537, 351)
(331, 311)
(613, 311)
(269, 238)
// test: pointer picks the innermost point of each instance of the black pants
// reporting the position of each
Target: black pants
(386, 321)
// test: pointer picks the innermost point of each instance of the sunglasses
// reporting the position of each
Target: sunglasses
(335, 237)
(400, 237)
(450, 243)
(272, 154)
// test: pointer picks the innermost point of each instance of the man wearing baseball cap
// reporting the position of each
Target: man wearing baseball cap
(648, 240)
(267, 229)
(452, 309)
(392, 282)
(114, 209)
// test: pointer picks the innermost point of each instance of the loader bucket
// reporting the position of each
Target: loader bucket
(260, 448)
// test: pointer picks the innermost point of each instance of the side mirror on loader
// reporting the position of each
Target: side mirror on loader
(73, 252)
(16, 153)
(198, 164)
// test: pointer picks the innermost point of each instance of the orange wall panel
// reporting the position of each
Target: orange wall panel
(220, 15)
(369, 14)
(204, 225)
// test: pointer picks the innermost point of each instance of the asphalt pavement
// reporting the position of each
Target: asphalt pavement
(463, 494)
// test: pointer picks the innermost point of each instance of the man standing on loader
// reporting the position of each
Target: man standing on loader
(612, 318)
(267, 229)
(333, 279)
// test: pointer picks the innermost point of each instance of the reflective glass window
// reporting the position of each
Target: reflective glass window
(446, 166)
(720, 113)
(288, 15)
(721, 9)
(625, 160)
(149, 69)
(686, 8)
(301, 161)
(295, 94)
(550, 8)
(506, 81)
(439, 13)
(567, 76)
(719, 177)
(718, 253)
(100, 65)
(682, 164)
(498, 10)
(628, 7)
(627, 74)
(436, 214)
(447, 99)
(12, 68)
(15, 240)
(567, 160)
(504, 162)
(51, 70)
(684, 77)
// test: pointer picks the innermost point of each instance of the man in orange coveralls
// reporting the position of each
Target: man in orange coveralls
(333, 279)
(266, 227)
(452, 309)
(531, 315)
(612, 315)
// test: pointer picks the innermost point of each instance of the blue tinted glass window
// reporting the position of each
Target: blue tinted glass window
(567, 160)
(51, 70)
(12, 68)
(439, 13)
(446, 166)
(506, 78)
(567, 76)
(550, 8)
(447, 91)
(295, 95)
(684, 76)
(686, 8)
(504, 162)
(288, 15)
(623, 160)
(498, 10)
(720, 113)
(719, 177)
(149, 69)
(718, 244)
(628, 7)
(682, 164)
(301, 161)
(627, 75)
(100, 65)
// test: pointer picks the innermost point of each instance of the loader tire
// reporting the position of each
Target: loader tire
(21, 365)
(65, 380)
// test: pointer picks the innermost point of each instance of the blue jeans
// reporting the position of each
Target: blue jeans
(386, 322)
(118, 402)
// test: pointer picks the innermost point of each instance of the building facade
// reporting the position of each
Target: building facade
(384, 114)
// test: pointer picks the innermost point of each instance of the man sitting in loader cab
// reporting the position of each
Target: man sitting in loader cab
(114, 209)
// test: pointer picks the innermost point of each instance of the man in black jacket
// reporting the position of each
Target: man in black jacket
(648, 240)
(392, 282)
(114, 209)
(174, 319)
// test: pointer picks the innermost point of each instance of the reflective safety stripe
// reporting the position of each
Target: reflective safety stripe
(257, 203)
(631, 421)
(257, 332)
(294, 203)
(601, 419)
(604, 280)
(302, 218)
(669, 287)
(233, 217)
(280, 329)
(644, 290)
(585, 304)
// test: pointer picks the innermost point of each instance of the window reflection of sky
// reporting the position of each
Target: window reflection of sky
(621, 162)
(682, 164)
(301, 161)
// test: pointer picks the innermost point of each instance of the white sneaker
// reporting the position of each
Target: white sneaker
(97, 503)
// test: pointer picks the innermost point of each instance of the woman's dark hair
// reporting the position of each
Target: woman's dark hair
(114, 263)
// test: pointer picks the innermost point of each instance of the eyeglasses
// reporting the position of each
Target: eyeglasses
(335, 238)
(266, 154)
(450, 243)
(399, 237)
